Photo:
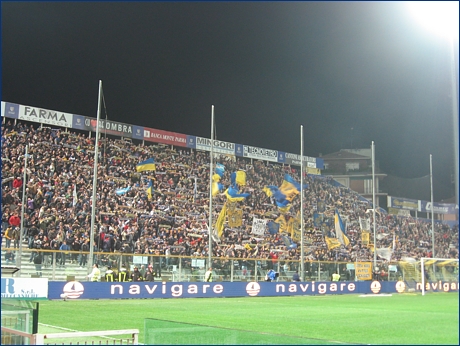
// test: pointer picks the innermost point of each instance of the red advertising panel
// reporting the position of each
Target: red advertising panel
(159, 136)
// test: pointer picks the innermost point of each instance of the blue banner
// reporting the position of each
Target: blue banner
(11, 110)
(191, 142)
(239, 150)
(138, 132)
(116, 290)
(78, 122)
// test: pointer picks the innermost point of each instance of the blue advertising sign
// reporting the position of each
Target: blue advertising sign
(138, 132)
(191, 142)
(439, 208)
(11, 110)
(78, 122)
(281, 157)
(239, 150)
(116, 290)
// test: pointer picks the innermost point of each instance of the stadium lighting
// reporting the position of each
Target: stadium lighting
(442, 18)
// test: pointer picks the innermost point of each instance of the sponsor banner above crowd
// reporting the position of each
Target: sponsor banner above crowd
(421, 206)
(80, 122)
(116, 290)
(165, 137)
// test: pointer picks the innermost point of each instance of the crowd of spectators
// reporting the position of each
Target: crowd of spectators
(174, 221)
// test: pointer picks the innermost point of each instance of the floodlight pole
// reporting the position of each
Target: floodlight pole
(211, 164)
(93, 207)
(302, 265)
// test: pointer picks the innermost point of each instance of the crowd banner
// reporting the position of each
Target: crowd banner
(363, 270)
(24, 288)
(117, 290)
(294, 159)
(165, 137)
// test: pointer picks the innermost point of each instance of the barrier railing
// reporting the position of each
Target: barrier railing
(68, 265)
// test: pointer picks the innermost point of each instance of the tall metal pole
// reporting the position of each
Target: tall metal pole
(21, 236)
(302, 264)
(211, 164)
(373, 202)
(432, 206)
(453, 79)
(93, 207)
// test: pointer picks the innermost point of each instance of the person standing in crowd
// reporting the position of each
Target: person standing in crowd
(295, 277)
(64, 249)
(38, 260)
(208, 275)
(16, 237)
(149, 274)
(8, 236)
(271, 275)
(136, 275)
(95, 274)
(335, 276)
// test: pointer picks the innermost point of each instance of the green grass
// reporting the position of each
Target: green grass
(399, 319)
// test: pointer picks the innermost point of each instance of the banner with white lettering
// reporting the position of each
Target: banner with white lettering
(109, 127)
(438, 208)
(45, 116)
(165, 137)
(115, 290)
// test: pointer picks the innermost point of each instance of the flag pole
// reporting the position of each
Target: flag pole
(373, 201)
(93, 206)
(302, 264)
(211, 164)
(432, 206)
(21, 235)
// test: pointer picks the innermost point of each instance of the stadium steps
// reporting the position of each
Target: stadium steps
(410, 272)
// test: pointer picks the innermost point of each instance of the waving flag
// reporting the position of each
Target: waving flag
(340, 230)
(147, 165)
(150, 190)
(240, 178)
(234, 196)
(273, 227)
(216, 186)
(120, 192)
(75, 197)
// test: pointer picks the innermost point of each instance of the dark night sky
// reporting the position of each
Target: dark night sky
(267, 67)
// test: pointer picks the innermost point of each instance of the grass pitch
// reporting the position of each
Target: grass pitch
(331, 319)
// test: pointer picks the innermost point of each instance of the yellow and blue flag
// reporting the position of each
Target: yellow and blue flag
(234, 196)
(150, 190)
(147, 165)
(340, 230)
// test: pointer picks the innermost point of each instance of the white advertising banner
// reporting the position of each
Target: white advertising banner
(218, 146)
(24, 288)
(45, 116)
(260, 153)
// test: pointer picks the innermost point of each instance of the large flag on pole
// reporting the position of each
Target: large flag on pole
(147, 165)
(340, 230)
